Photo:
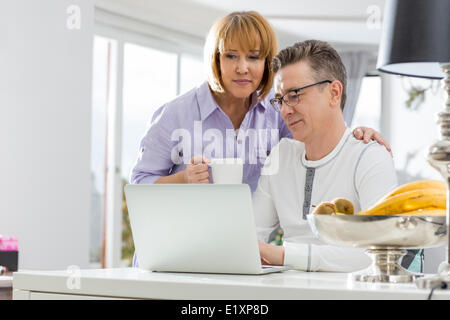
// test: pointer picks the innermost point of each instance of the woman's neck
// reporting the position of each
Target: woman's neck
(234, 108)
(232, 104)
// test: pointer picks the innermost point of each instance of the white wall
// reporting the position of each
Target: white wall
(45, 103)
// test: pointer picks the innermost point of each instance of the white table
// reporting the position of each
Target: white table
(131, 283)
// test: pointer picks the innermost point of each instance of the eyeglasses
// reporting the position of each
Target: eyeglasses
(292, 98)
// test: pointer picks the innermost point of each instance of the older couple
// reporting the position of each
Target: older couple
(299, 126)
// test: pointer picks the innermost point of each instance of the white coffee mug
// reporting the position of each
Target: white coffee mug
(227, 170)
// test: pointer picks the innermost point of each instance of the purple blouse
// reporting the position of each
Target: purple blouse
(193, 124)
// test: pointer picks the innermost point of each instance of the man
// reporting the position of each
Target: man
(322, 162)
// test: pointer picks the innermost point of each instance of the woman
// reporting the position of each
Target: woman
(229, 115)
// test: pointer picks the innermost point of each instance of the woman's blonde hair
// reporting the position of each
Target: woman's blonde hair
(250, 30)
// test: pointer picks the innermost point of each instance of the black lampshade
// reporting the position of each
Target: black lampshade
(415, 38)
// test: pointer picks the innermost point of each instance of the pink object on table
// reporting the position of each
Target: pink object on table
(8, 244)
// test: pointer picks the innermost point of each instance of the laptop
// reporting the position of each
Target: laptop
(204, 228)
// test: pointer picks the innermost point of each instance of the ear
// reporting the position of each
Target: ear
(335, 93)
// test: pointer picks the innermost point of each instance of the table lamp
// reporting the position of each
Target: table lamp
(415, 42)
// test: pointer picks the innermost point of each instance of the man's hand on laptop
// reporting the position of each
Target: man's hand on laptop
(271, 254)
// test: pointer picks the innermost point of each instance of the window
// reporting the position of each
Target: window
(102, 68)
(405, 126)
(133, 75)
(368, 107)
(192, 72)
(150, 80)
(413, 130)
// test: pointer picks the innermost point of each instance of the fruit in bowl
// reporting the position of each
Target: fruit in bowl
(422, 197)
(338, 206)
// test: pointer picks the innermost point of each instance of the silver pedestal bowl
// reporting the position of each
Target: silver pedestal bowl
(385, 238)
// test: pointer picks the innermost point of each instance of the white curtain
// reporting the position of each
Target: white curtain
(356, 64)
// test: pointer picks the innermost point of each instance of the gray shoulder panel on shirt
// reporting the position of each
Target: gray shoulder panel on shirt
(357, 164)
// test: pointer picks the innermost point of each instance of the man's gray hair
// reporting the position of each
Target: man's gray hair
(322, 58)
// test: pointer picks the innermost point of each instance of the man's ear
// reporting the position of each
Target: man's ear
(335, 93)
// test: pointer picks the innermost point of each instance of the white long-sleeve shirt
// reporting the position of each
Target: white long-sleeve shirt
(290, 184)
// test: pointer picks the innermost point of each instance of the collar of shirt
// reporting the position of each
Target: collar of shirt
(328, 157)
(207, 104)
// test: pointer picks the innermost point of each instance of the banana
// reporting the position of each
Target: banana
(421, 212)
(409, 201)
(415, 185)
(422, 197)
